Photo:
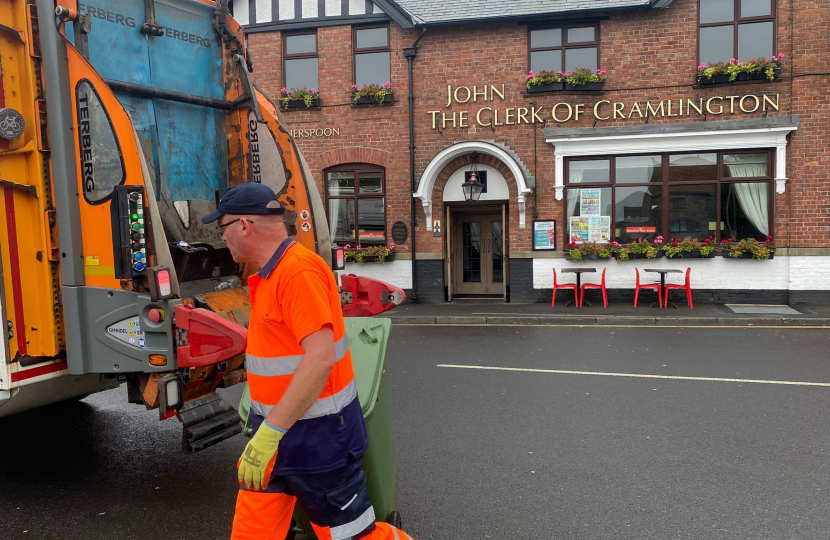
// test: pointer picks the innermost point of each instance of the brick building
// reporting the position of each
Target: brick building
(654, 152)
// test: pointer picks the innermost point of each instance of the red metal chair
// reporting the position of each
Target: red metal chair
(563, 286)
(600, 286)
(686, 286)
(647, 286)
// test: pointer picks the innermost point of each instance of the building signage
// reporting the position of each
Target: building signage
(489, 115)
(314, 132)
(544, 235)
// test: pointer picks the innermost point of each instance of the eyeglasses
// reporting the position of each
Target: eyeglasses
(223, 225)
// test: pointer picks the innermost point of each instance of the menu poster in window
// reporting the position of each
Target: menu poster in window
(579, 229)
(590, 202)
(544, 235)
(600, 229)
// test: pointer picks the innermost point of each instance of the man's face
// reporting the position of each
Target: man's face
(235, 234)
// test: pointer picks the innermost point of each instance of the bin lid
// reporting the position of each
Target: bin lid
(368, 337)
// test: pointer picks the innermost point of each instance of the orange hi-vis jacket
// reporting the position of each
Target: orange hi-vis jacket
(293, 296)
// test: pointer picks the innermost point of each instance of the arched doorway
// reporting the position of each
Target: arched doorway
(475, 234)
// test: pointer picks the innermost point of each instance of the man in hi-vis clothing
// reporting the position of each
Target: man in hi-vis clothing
(309, 436)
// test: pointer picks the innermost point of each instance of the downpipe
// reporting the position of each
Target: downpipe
(410, 53)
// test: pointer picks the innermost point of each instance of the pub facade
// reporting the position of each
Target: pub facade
(493, 142)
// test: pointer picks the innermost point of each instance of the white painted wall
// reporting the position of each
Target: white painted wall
(781, 273)
(496, 185)
(397, 272)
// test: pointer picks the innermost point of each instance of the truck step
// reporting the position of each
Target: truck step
(207, 421)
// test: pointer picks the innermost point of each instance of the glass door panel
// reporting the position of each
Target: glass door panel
(497, 252)
(471, 251)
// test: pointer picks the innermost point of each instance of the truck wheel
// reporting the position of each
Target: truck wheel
(395, 519)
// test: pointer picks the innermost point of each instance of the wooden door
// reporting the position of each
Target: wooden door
(478, 254)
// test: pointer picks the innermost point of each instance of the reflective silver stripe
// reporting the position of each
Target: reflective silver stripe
(341, 347)
(287, 365)
(322, 407)
(395, 532)
(260, 409)
(344, 532)
(333, 404)
(270, 367)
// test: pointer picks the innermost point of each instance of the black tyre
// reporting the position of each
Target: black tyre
(395, 519)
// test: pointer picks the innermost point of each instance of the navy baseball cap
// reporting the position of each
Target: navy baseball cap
(250, 198)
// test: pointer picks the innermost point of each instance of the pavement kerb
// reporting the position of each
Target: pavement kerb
(608, 320)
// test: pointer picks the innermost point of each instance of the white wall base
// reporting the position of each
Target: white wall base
(397, 272)
(781, 273)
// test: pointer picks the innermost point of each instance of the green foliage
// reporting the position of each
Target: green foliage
(581, 76)
(298, 94)
(760, 250)
(376, 92)
(360, 253)
(733, 68)
(544, 77)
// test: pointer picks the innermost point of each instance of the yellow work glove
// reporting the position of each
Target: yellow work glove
(257, 460)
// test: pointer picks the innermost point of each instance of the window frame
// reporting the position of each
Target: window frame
(357, 168)
(666, 185)
(299, 56)
(368, 50)
(565, 45)
(738, 20)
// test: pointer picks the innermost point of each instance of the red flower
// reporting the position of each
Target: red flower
(708, 240)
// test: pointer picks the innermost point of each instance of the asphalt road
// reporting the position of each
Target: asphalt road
(567, 451)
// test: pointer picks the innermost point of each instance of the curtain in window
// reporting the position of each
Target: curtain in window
(753, 198)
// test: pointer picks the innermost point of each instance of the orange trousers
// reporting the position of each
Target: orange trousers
(267, 516)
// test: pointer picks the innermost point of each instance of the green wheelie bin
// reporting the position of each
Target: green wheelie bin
(368, 338)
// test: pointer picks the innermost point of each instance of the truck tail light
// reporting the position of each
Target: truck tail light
(338, 259)
(161, 286)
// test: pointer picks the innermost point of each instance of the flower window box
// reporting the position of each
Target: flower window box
(367, 100)
(372, 94)
(751, 70)
(550, 87)
(299, 98)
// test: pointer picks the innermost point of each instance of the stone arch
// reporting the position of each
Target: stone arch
(456, 154)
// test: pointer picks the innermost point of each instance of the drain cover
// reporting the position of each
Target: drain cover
(766, 309)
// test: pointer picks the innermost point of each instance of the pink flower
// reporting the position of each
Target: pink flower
(347, 246)
(781, 55)
(601, 72)
(528, 77)
(392, 245)
(731, 60)
(354, 87)
(387, 84)
(283, 90)
(702, 66)
(530, 73)
(313, 91)
(358, 247)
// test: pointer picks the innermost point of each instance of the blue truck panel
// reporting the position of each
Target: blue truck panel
(188, 142)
